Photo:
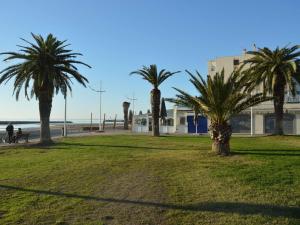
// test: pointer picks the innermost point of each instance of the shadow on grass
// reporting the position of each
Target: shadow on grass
(270, 150)
(226, 207)
(264, 153)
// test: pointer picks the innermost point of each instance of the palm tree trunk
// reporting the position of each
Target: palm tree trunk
(278, 107)
(125, 111)
(220, 134)
(155, 104)
(45, 105)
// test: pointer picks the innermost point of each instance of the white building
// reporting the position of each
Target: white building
(180, 120)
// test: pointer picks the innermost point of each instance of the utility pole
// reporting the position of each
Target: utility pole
(100, 91)
(251, 118)
(91, 122)
(133, 99)
(251, 111)
(65, 117)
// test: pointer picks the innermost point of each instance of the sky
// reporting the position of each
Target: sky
(117, 37)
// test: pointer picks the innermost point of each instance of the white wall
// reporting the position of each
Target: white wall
(298, 124)
(166, 129)
(140, 129)
(258, 123)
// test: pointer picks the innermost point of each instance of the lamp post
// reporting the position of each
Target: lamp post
(251, 119)
(65, 117)
(133, 99)
(100, 91)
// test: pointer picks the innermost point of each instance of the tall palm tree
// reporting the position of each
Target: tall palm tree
(275, 70)
(155, 78)
(43, 68)
(219, 99)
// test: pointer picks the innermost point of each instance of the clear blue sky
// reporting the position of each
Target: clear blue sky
(117, 37)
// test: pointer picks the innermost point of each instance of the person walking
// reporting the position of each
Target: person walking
(10, 132)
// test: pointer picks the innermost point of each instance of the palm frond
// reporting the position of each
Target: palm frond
(219, 98)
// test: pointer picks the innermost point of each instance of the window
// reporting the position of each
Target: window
(182, 121)
(144, 122)
(236, 62)
(170, 122)
(213, 66)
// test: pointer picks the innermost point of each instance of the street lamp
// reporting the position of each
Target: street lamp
(251, 118)
(133, 99)
(65, 119)
(100, 91)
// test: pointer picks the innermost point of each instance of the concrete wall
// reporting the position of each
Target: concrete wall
(140, 129)
(182, 129)
(258, 123)
(166, 129)
(298, 124)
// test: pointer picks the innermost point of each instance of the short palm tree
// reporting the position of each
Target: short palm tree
(219, 99)
(155, 78)
(125, 111)
(45, 67)
(276, 70)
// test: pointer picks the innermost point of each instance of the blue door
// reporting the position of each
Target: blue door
(201, 125)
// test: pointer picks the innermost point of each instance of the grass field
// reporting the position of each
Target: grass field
(144, 180)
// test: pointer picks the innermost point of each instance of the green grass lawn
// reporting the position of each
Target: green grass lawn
(144, 180)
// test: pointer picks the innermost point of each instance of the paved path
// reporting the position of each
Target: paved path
(56, 133)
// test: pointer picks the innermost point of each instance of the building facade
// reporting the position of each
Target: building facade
(263, 118)
(256, 120)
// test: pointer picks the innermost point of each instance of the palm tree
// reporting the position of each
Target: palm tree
(130, 117)
(275, 70)
(151, 75)
(163, 112)
(219, 99)
(125, 111)
(43, 68)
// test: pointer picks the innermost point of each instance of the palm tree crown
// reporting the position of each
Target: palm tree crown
(276, 70)
(271, 67)
(47, 63)
(151, 75)
(219, 98)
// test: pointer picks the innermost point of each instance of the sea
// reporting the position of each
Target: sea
(31, 124)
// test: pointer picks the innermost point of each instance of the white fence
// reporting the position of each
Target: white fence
(140, 129)
(144, 129)
(166, 129)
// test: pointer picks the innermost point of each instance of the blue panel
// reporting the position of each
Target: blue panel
(201, 126)
(191, 125)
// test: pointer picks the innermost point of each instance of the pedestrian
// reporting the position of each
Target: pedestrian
(10, 132)
(18, 136)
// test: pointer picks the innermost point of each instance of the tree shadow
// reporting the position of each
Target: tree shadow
(225, 207)
(264, 153)
(270, 150)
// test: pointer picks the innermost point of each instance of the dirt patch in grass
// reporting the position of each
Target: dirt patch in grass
(132, 192)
